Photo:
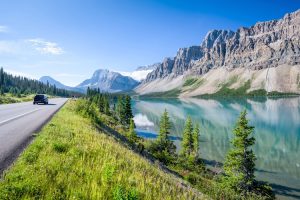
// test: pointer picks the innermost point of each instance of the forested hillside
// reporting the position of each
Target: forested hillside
(18, 85)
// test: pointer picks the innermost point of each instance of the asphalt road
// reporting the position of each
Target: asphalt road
(18, 123)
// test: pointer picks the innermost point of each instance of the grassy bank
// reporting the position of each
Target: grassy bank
(9, 98)
(205, 180)
(70, 159)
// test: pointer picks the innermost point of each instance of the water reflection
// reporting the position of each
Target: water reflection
(277, 130)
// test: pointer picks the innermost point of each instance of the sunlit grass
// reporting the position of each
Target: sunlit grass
(70, 159)
(9, 98)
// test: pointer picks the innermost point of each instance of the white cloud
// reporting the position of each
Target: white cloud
(46, 47)
(142, 120)
(29, 47)
(3, 29)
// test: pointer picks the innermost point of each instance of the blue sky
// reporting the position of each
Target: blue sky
(70, 39)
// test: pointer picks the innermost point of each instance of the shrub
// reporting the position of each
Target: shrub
(60, 147)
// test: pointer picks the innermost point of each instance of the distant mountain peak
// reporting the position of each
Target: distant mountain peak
(52, 81)
(109, 81)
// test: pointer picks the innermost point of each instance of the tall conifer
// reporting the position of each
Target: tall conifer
(239, 164)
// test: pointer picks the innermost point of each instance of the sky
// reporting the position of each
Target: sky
(69, 39)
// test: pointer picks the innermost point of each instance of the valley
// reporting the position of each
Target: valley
(219, 119)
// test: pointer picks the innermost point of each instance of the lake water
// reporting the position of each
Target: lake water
(277, 132)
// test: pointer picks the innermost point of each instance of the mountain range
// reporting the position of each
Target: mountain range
(107, 81)
(263, 57)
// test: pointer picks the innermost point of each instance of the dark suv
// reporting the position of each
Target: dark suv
(40, 98)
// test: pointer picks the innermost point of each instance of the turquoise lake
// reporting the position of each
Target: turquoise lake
(277, 132)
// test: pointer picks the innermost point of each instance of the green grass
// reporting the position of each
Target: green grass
(9, 98)
(225, 91)
(230, 82)
(71, 159)
(189, 82)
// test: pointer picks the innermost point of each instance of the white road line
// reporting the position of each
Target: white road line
(18, 116)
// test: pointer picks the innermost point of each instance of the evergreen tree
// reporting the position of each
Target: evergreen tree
(164, 128)
(164, 149)
(106, 106)
(1, 77)
(239, 164)
(88, 92)
(196, 135)
(132, 134)
(127, 110)
(20, 85)
(101, 103)
(187, 140)
(120, 108)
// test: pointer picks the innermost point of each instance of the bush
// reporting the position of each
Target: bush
(87, 109)
(60, 147)
(120, 193)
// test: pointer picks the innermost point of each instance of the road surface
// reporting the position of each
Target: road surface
(18, 123)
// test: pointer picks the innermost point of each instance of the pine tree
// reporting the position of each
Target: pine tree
(239, 164)
(19, 85)
(88, 92)
(132, 134)
(101, 103)
(1, 77)
(164, 149)
(106, 106)
(120, 108)
(195, 136)
(187, 140)
(164, 128)
(127, 110)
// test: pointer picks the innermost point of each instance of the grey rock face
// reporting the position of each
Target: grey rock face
(148, 67)
(108, 81)
(266, 44)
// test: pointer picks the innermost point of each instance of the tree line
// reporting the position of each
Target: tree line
(116, 105)
(239, 166)
(17, 85)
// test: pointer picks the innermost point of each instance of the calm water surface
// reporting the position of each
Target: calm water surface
(277, 132)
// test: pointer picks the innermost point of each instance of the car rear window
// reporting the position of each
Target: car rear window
(39, 97)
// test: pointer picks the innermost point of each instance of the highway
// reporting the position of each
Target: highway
(18, 123)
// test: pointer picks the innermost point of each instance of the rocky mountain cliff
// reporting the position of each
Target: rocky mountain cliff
(265, 45)
(108, 81)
